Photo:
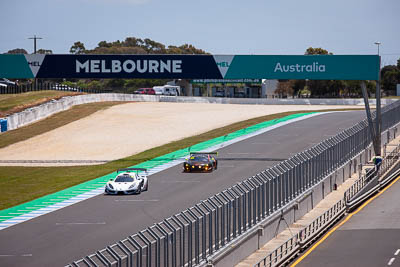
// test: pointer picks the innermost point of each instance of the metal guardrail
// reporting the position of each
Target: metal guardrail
(190, 237)
(389, 160)
(360, 184)
(301, 239)
(374, 173)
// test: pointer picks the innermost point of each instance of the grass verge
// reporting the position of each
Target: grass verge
(22, 184)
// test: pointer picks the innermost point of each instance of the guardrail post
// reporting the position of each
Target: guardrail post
(216, 224)
(237, 203)
(203, 231)
(210, 227)
(114, 255)
(190, 237)
(135, 244)
(181, 240)
(196, 236)
(130, 261)
(234, 217)
(223, 212)
(158, 245)
(148, 248)
(173, 230)
(103, 259)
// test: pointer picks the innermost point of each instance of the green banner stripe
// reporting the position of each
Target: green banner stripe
(14, 66)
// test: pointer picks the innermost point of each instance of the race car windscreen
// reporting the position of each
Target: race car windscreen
(124, 179)
(199, 158)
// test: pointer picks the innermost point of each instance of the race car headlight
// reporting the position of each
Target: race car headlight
(110, 186)
(133, 186)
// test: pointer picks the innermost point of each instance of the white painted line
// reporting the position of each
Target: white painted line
(391, 261)
(180, 181)
(397, 252)
(23, 255)
(81, 223)
(137, 200)
(267, 143)
(244, 153)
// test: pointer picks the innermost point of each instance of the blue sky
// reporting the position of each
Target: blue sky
(217, 26)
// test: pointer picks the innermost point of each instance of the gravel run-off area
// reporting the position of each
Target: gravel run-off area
(130, 128)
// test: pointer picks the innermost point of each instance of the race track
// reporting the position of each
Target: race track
(60, 237)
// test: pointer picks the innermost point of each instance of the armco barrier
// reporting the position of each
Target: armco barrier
(305, 236)
(47, 109)
(225, 221)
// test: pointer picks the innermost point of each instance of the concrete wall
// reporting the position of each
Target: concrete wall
(47, 109)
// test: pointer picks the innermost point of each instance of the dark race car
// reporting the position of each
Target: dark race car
(200, 162)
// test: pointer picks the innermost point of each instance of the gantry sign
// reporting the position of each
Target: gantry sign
(312, 67)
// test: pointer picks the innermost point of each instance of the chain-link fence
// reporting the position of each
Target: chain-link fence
(190, 237)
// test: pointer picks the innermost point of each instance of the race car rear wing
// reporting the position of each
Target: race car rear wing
(204, 153)
(131, 169)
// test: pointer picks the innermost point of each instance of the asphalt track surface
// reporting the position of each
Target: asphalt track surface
(60, 237)
(369, 238)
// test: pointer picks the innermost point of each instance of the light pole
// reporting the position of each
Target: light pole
(378, 43)
(34, 42)
(378, 106)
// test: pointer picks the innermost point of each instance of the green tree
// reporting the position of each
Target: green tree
(285, 88)
(153, 47)
(390, 76)
(17, 51)
(390, 79)
(104, 44)
(77, 48)
(317, 51)
(352, 88)
(319, 88)
(45, 51)
(298, 85)
(94, 85)
(115, 83)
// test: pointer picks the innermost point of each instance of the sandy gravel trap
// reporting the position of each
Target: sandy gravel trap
(130, 128)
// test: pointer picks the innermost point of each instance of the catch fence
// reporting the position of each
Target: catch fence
(192, 236)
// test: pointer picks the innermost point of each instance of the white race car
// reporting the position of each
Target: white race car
(128, 181)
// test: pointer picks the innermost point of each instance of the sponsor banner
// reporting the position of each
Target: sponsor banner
(313, 67)
(14, 67)
(226, 81)
(129, 66)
